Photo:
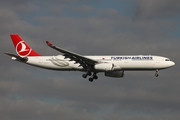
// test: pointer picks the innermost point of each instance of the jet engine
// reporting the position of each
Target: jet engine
(104, 67)
(117, 74)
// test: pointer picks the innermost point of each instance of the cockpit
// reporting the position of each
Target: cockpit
(167, 59)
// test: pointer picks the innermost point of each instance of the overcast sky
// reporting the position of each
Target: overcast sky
(90, 27)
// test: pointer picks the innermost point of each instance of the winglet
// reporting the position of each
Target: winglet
(49, 44)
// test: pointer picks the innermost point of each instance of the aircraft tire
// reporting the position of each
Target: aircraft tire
(95, 77)
(156, 75)
(84, 76)
(89, 73)
(91, 79)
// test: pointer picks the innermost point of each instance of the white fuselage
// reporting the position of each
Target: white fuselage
(130, 62)
(112, 66)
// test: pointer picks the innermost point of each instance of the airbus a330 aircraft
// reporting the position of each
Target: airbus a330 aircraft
(112, 66)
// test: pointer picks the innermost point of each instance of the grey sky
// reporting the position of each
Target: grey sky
(92, 27)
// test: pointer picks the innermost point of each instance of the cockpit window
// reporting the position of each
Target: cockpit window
(167, 59)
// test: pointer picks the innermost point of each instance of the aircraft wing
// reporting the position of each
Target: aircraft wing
(83, 61)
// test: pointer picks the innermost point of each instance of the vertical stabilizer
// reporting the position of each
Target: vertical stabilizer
(21, 47)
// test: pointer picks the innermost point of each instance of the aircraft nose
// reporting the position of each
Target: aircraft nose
(173, 63)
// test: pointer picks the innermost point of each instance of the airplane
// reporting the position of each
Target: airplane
(112, 65)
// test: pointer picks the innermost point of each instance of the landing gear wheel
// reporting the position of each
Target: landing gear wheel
(89, 73)
(84, 76)
(95, 77)
(156, 74)
(91, 79)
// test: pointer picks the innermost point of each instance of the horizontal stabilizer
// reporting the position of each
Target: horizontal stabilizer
(16, 57)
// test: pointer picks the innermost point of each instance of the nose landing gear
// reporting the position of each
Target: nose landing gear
(157, 73)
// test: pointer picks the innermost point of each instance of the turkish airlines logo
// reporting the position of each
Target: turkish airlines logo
(22, 49)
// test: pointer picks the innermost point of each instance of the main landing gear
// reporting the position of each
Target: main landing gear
(94, 76)
(157, 73)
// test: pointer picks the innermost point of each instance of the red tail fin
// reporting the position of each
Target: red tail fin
(22, 48)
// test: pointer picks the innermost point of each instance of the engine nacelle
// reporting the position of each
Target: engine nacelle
(104, 67)
(117, 74)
